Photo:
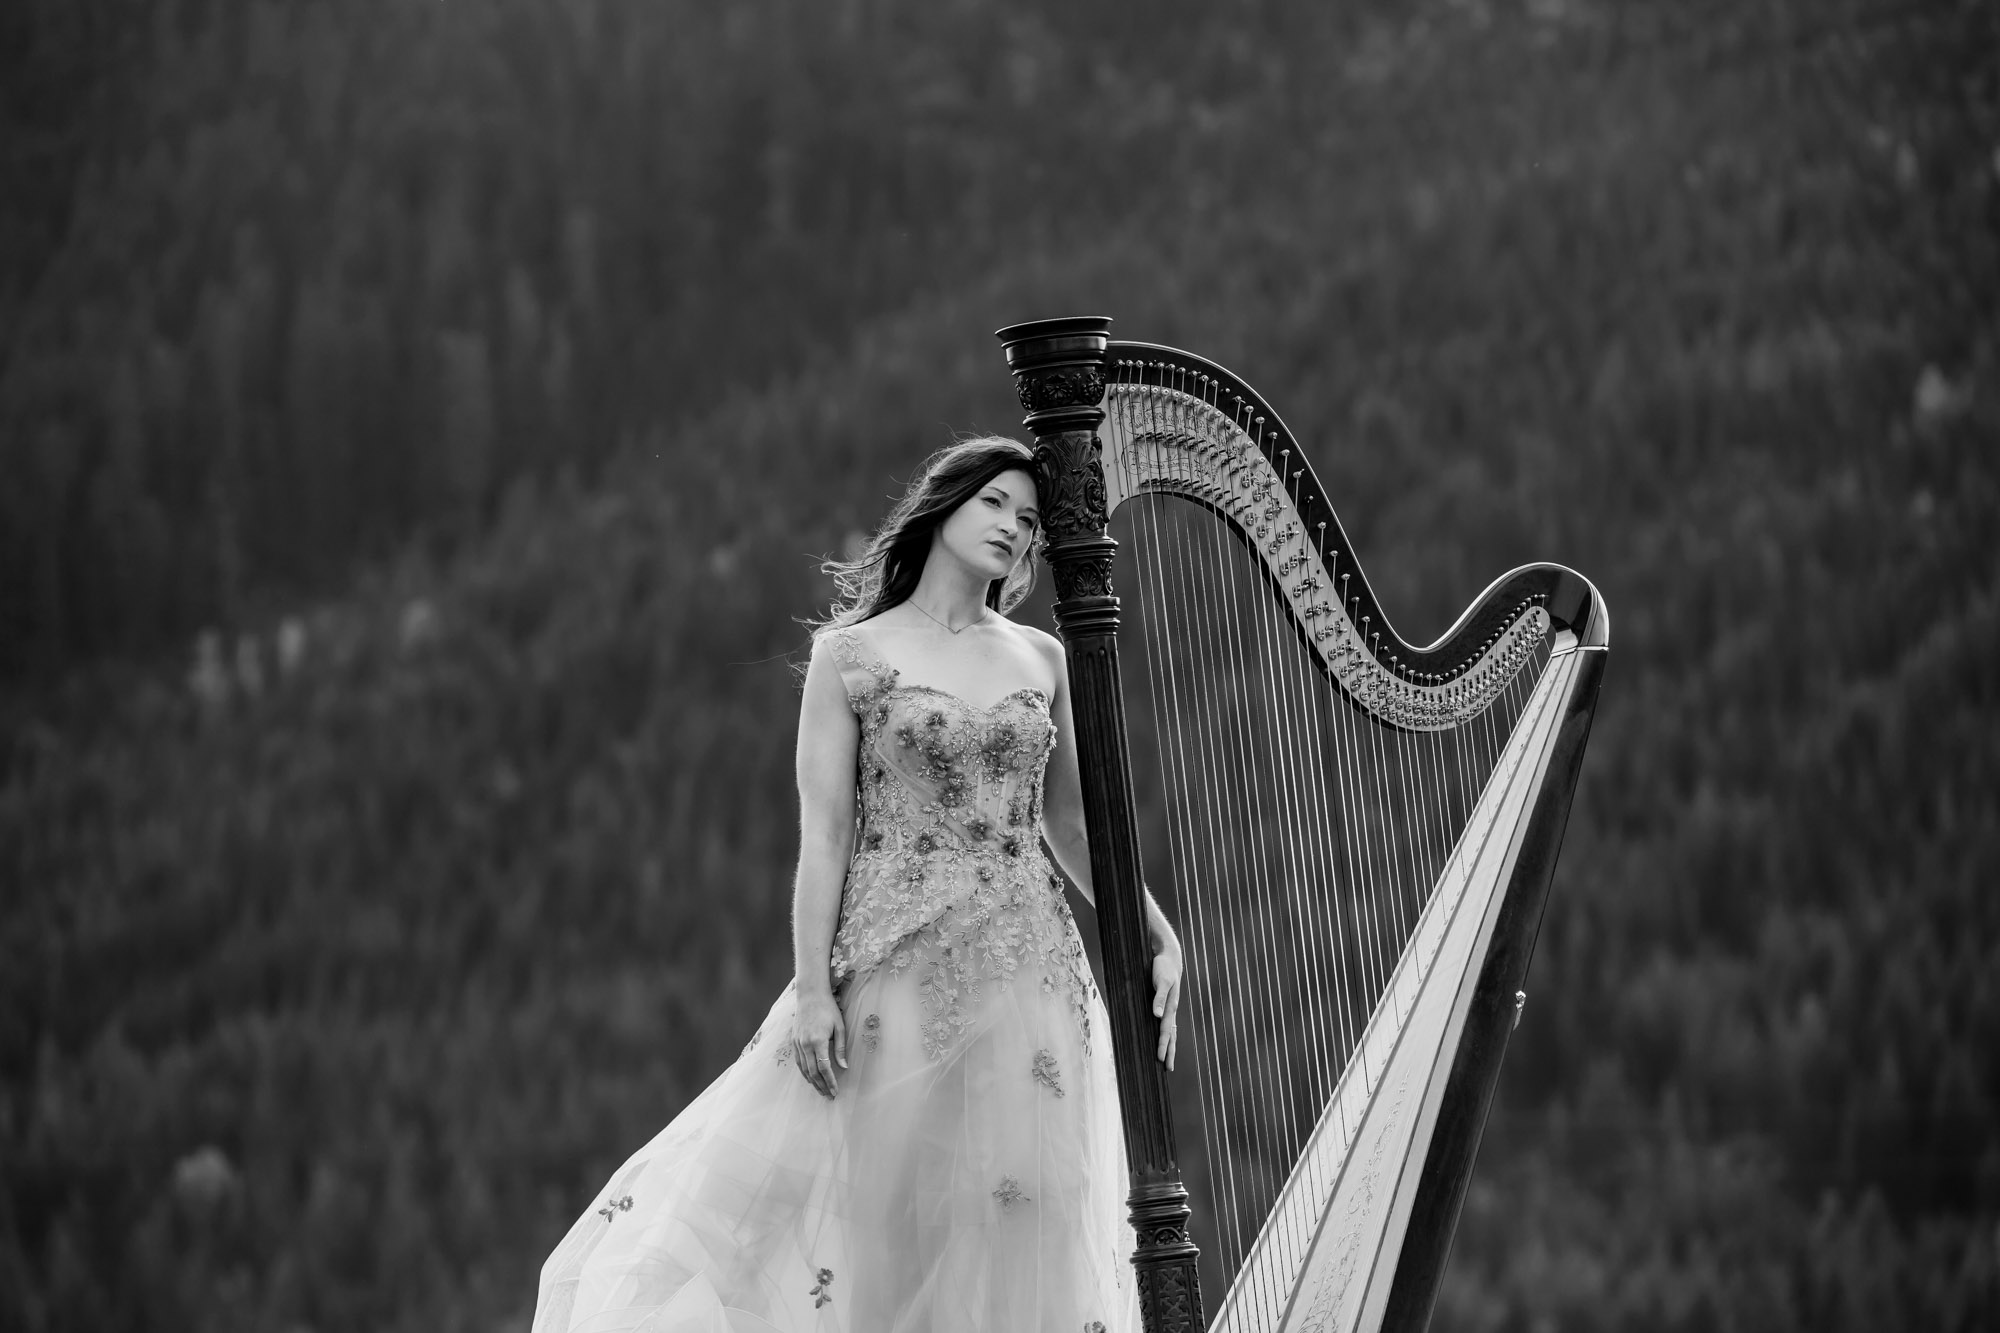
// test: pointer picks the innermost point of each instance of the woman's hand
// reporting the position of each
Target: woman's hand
(819, 1038)
(1167, 993)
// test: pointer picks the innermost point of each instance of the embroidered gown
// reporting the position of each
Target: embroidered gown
(970, 1173)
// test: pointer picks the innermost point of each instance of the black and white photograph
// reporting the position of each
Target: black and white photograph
(999, 666)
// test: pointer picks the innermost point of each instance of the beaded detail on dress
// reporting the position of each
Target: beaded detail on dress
(948, 859)
(970, 1171)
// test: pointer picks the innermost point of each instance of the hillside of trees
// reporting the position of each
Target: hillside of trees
(290, 282)
(421, 421)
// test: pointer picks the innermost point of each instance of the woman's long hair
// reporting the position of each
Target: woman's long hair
(886, 572)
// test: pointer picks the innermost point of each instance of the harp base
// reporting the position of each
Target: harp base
(1166, 1260)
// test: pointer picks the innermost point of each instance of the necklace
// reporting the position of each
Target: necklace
(946, 628)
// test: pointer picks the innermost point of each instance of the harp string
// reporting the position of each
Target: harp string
(1280, 744)
(1290, 867)
(1302, 698)
(1259, 1034)
(1319, 883)
(1245, 647)
(1202, 711)
(1237, 826)
(1302, 871)
(1191, 795)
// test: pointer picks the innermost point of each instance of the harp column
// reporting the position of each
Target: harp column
(1059, 370)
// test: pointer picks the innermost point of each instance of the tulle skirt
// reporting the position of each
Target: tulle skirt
(967, 1176)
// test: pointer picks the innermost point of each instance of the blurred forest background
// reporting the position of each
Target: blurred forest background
(418, 417)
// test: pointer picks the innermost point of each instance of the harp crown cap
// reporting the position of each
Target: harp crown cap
(1072, 337)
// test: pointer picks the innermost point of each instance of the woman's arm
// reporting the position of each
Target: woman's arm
(1062, 826)
(829, 738)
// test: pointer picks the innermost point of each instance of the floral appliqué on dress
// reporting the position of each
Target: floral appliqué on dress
(1010, 1194)
(1046, 1073)
(947, 874)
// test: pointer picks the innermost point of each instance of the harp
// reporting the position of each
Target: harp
(1355, 834)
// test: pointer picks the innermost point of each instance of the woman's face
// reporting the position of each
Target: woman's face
(991, 532)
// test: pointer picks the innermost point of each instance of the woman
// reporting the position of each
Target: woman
(923, 1134)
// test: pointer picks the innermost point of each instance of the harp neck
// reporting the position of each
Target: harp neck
(1267, 457)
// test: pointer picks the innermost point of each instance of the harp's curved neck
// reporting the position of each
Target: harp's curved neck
(1570, 600)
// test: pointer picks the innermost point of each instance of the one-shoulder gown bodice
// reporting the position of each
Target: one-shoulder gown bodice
(969, 1174)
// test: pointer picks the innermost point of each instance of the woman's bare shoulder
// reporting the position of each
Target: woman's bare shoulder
(1042, 640)
(1042, 643)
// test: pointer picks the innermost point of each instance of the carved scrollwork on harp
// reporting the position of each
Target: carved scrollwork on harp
(1223, 467)
(1072, 481)
(1065, 386)
(1082, 578)
(1164, 1298)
